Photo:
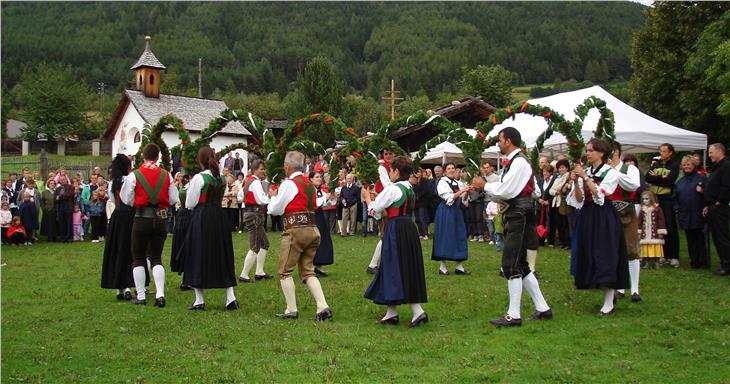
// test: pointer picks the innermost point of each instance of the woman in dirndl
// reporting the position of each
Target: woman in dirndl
(180, 229)
(600, 248)
(116, 270)
(449, 234)
(209, 260)
(325, 252)
(400, 278)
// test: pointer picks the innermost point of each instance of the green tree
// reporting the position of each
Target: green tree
(597, 71)
(169, 83)
(7, 105)
(413, 104)
(670, 62)
(362, 114)
(321, 88)
(492, 83)
(53, 102)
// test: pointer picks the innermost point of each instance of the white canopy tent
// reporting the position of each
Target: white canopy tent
(636, 131)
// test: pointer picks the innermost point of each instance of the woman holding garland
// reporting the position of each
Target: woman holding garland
(209, 260)
(449, 233)
(400, 278)
(600, 248)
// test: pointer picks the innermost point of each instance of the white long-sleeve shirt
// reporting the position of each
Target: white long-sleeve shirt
(606, 187)
(631, 181)
(194, 188)
(126, 193)
(446, 193)
(512, 182)
(287, 192)
(384, 176)
(385, 199)
(321, 199)
(258, 192)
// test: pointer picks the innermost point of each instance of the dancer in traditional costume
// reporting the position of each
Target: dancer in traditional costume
(209, 259)
(325, 251)
(600, 247)
(383, 181)
(515, 190)
(296, 200)
(150, 190)
(400, 278)
(254, 213)
(449, 233)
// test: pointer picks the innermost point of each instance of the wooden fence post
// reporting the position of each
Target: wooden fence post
(44, 164)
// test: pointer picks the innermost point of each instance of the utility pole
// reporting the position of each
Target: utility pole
(391, 99)
(200, 77)
(101, 88)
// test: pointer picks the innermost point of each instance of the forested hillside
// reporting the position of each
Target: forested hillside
(263, 47)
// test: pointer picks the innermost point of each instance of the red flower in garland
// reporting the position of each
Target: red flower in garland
(329, 120)
(524, 106)
(494, 119)
(185, 142)
(350, 132)
(574, 144)
(480, 134)
(548, 114)
(314, 117)
(357, 154)
(509, 111)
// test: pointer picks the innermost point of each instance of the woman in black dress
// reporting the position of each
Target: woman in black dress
(209, 260)
(325, 252)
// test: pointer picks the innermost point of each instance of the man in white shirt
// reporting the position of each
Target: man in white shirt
(296, 200)
(255, 200)
(515, 188)
(629, 180)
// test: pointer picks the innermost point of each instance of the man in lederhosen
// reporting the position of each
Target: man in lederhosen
(255, 200)
(520, 228)
(629, 180)
(383, 181)
(296, 200)
(150, 190)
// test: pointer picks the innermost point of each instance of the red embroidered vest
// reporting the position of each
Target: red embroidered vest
(250, 198)
(152, 176)
(620, 194)
(305, 199)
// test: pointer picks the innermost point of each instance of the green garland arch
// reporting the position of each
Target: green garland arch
(153, 134)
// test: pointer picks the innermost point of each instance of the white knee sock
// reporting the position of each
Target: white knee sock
(316, 288)
(634, 268)
(417, 310)
(248, 263)
(375, 261)
(230, 296)
(392, 312)
(139, 276)
(514, 287)
(533, 289)
(608, 300)
(442, 267)
(532, 258)
(198, 296)
(260, 260)
(158, 272)
(460, 267)
(287, 286)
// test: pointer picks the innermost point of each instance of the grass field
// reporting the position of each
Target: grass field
(58, 326)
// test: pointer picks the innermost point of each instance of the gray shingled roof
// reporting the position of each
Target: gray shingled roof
(195, 113)
(147, 59)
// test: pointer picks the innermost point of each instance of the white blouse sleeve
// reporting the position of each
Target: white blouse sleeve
(571, 200)
(390, 195)
(322, 200)
(607, 187)
(445, 192)
(193, 192)
(258, 192)
(126, 193)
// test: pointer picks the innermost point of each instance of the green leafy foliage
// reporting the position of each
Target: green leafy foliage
(493, 83)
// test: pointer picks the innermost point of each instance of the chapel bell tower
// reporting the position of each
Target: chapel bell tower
(147, 72)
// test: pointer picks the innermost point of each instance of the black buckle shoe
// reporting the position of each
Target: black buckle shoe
(421, 319)
(395, 320)
(127, 295)
(184, 287)
(263, 277)
(197, 307)
(324, 315)
(506, 321)
(620, 295)
(320, 272)
(244, 280)
(120, 296)
(372, 271)
(139, 302)
(635, 297)
(544, 315)
(462, 272)
(160, 302)
(232, 306)
(288, 316)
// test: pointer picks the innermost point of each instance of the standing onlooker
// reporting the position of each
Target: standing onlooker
(717, 205)
(12, 194)
(688, 203)
(65, 199)
(652, 230)
(697, 160)
(545, 202)
(228, 162)
(96, 210)
(5, 219)
(49, 228)
(29, 217)
(350, 198)
(61, 175)
(475, 213)
(423, 190)
(559, 203)
(77, 220)
(662, 176)
(39, 183)
(230, 202)
(237, 165)
(492, 211)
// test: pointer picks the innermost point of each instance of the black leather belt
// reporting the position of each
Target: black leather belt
(254, 208)
(151, 213)
(299, 219)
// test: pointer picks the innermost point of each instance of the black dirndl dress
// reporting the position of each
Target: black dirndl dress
(182, 222)
(325, 252)
(449, 232)
(116, 269)
(208, 246)
(400, 278)
(601, 260)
